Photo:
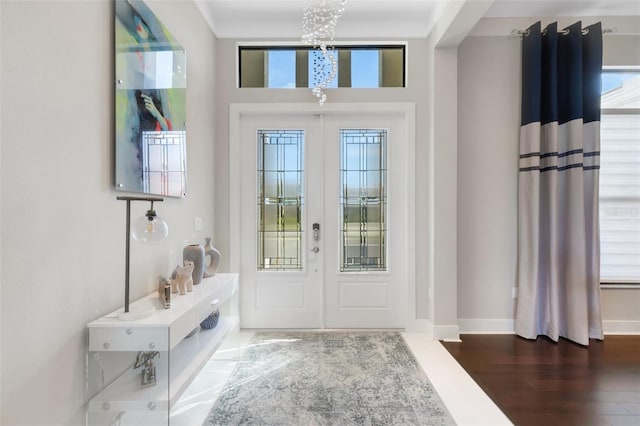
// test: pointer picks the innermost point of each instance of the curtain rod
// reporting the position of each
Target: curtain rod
(605, 31)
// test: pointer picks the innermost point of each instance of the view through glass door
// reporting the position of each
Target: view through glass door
(322, 207)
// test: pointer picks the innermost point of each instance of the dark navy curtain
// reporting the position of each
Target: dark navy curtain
(558, 223)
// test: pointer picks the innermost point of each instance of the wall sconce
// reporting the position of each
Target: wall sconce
(149, 227)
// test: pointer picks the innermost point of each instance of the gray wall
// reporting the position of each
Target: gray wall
(488, 126)
(62, 230)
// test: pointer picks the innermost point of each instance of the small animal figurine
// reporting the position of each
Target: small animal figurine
(181, 279)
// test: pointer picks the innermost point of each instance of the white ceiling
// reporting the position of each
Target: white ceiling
(528, 8)
(382, 19)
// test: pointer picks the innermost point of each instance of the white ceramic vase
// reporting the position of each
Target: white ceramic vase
(212, 258)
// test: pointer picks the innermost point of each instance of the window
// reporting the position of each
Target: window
(363, 200)
(620, 177)
(281, 67)
(280, 199)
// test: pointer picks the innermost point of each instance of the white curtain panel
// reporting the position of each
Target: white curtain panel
(558, 227)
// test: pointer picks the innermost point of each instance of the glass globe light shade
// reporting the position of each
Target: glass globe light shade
(150, 228)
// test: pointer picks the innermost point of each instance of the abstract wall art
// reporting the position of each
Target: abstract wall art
(150, 104)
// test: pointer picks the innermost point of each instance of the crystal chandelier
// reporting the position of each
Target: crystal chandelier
(319, 19)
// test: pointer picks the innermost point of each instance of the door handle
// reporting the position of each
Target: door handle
(315, 249)
(316, 232)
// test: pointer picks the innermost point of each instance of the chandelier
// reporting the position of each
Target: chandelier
(319, 19)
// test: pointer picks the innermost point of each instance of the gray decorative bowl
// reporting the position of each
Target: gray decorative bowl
(211, 321)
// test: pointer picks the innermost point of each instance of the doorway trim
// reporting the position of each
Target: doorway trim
(406, 109)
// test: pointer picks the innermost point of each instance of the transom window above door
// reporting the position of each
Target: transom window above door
(283, 67)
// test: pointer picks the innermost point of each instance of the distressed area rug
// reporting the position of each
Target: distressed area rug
(328, 378)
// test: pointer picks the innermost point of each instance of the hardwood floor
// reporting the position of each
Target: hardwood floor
(545, 383)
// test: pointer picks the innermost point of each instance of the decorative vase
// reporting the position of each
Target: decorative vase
(195, 253)
(213, 254)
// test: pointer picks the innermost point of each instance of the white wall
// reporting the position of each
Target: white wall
(457, 20)
(488, 130)
(445, 206)
(0, 221)
(62, 253)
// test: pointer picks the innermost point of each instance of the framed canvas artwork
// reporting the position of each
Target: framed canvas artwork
(150, 104)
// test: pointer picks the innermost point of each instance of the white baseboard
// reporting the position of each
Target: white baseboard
(450, 333)
(486, 326)
(621, 327)
(507, 326)
(433, 332)
(423, 326)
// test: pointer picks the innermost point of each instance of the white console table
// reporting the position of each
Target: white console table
(114, 344)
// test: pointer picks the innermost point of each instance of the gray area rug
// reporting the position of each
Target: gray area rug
(328, 378)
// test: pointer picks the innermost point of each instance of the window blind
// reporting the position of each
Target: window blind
(620, 198)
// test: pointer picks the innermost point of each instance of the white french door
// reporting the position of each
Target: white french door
(322, 220)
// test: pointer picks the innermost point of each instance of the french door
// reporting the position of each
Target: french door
(322, 208)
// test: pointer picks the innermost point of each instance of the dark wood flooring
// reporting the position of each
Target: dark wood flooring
(545, 383)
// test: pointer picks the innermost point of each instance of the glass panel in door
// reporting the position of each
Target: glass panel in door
(363, 201)
(280, 181)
